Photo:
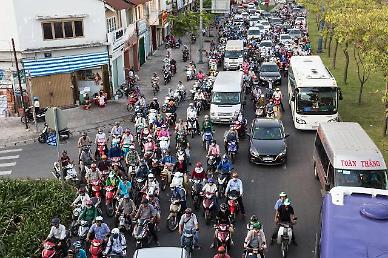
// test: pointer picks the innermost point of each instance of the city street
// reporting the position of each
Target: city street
(261, 184)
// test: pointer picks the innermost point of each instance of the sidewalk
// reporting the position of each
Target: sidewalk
(13, 131)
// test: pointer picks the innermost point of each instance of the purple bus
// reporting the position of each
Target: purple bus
(354, 223)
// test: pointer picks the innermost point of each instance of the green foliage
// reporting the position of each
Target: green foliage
(26, 210)
(184, 23)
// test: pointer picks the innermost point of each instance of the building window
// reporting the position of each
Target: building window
(139, 12)
(129, 14)
(111, 24)
(62, 29)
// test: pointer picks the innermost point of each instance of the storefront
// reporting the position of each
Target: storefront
(60, 81)
(130, 50)
(164, 26)
(7, 98)
(117, 39)
(144, 41)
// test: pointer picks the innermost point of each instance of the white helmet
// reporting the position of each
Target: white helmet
(151, 176)
(115, 231)
(198, 170)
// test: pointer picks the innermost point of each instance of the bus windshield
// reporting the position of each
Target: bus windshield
(317, 101)
(226, 98)
(233, 54)
(361, 178)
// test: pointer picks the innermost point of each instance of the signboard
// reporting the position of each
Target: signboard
(220, 6)
(50, 118)
(6, 79)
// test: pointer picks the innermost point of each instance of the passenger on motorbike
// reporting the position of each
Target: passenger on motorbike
(256, 239)
(155, 104)
(261, 102)
(231, 135)
(143, 170)
(83, 142)
(132, 156)
(124, 187)
(152, 185)
(126, 206)
(99, 230)
(57, 234)
(117, 130)
(147, 212)
(284, 214)
(82, 198)
(116, 244)
(221, 253)
(280, 201)
(214, 150)
(198, 173)
(189, 222)
(89, 212)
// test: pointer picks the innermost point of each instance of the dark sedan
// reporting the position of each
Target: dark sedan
(267, 142)
(269, 71)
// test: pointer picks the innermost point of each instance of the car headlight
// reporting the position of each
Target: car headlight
(300, 121)
(333, 120)
(283, 153)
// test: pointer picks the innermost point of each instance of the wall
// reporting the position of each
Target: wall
(30, 29)
(7, 24)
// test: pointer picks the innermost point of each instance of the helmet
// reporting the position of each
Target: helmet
(287, 202)
(223, 206)
(89, 202)
(138, 114)
(99, 218)
(198, 169)
(155, 98)
(282, 194)
(126, 196)
(235, 175)
(127, 130)
(206, 117)
(55, 221)
(151, 175)
(82, 190)
(210, 181)
(115, 231)
(225, 156)
(104, 157)
(214, 141)
(77, 244)
(191, 104)
(93, 165)
(188, 210)
(254, 218)
(257, 225)
(277, 88)
(221, 249)
(181, 158)
(117, 123)
(262, 95)
(163, 126)
(132, 147)
(84, 134)
(199, 164)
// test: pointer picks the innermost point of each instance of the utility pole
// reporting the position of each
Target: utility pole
(57, 145)
(32, 101)
(20, 81)
(200, 60)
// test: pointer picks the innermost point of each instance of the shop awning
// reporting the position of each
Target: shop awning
(65, 64)
(118, 4)
(137, 2)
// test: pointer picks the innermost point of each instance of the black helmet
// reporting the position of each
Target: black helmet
(254, 218)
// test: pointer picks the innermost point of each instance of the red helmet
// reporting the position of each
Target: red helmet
(199, 164)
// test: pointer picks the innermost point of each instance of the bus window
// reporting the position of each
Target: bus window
(323, 158)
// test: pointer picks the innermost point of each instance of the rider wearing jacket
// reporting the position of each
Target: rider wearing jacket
(116, 244)
(231, 135)
(225, 166)
(89, 213)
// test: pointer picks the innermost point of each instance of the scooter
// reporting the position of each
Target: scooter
(284, 238)
(232, 150)
(207, 205)
(64, 134)
(233, 205)
(141, 233)
(83, 230)
(185, 55)
(109, 200)
(155, 87)
(190, 74)
(166, 76)
(196, 189)
(223, 236)
(29, 115)
(192, 126)
(50, 250)
(211, 166)
(188, 241)
(96, 248)
(175, 213)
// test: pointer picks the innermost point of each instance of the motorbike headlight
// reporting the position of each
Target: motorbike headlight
(300, 121)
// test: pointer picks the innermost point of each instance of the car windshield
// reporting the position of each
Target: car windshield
(285, 37)
(260, 26)
(267, 133)
(233, 54)
(226, 98)
(361, 178)
(264, 23)
(254, 18)
(253, 32)
(317, 101)
(295, 32)
(265, 44)
(269, 68)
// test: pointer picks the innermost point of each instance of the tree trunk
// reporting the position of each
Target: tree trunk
(325, 43)
(335, 54)
(346, 53)
(385, 127)
(329, 46)
(362, 83)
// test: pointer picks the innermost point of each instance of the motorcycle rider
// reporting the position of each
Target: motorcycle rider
(57, 234)
(192, 114)
(115, 151)
(104, 165)
(147, 212)
(235, 184)
(189, 222)
(214, 150)
(284, 214)
(77, 251)
(222, 217)
(116, 244)
(231, 135)
(261, 102)
(152, 185)
(155, 104)
(132, 156)
(207, 125)
(112, 180)
(280, 201)
(143, 170)
(124, 187)
(221, 253)
(180, 128)
(155, 79)
(141, 102)
(181, 165)
(200, 75)
(269, 108)
(181, 89)
(82, 198)
(256, 239)
(83, 142)
(99, 230)
(198, 173)
(126, 206)
(164, 132)
(89, 212)
(140, 122)
(171, 108)
(92, 174)
(178, 192)
(211, 188)
(225, 166)
(185, 52)
(117, 131)
(278, 95)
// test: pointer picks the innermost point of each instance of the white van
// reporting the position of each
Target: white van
(234, 51)
(226, 97)
(254, 33)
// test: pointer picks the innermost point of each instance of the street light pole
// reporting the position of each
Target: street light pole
(200, 60)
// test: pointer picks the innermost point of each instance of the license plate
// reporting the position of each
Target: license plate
(267, 159)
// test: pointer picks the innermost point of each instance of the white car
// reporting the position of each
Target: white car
(251, 6)
(300, 20)
(265, 24)
(253, 33)
(245, 15)
(265, 47)
(253, 20)
(285, 39)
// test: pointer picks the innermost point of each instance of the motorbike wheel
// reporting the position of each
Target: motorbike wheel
(187, 78)
(119, 94)
(233, 217)
(192, 133)
(284, 249)
(73, 229)
(41, 138)
(232, 156)
(172, 223)
(206, 145)
(165, 82)
(139, 245)
(110, 211)
(207, 217)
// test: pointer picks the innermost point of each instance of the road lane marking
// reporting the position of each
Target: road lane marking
(10, 150)
(11, 164)
(9, 157)
(4, 173)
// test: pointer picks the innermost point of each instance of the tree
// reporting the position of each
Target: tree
(363, 70)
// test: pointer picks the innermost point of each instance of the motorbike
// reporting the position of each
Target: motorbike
(211, 166)
(174, 215)
(28, 115)
(166, 76)
(155, 87)
(51, 249)
(109, 200)
(96, 248)
(173, 69)
(83, 230)
(232, 150)
(73, 229)
(260, 111)
(101, 149)
(253, 253)
(222, 181)
(141, 233)
(233, 205)
(284, 238)
(192, 126)
(193, 39)
(132, 99)
(207, 138)
(64, 134)
(124, 223)
(188, 240)
(96, 189)
(190, 74)
(185, 55)
(196, 189)
(170, 119)
(137, 110)
(207, 205)
(123, 90)
(69, 172)
(164, 178)
(223, 236)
